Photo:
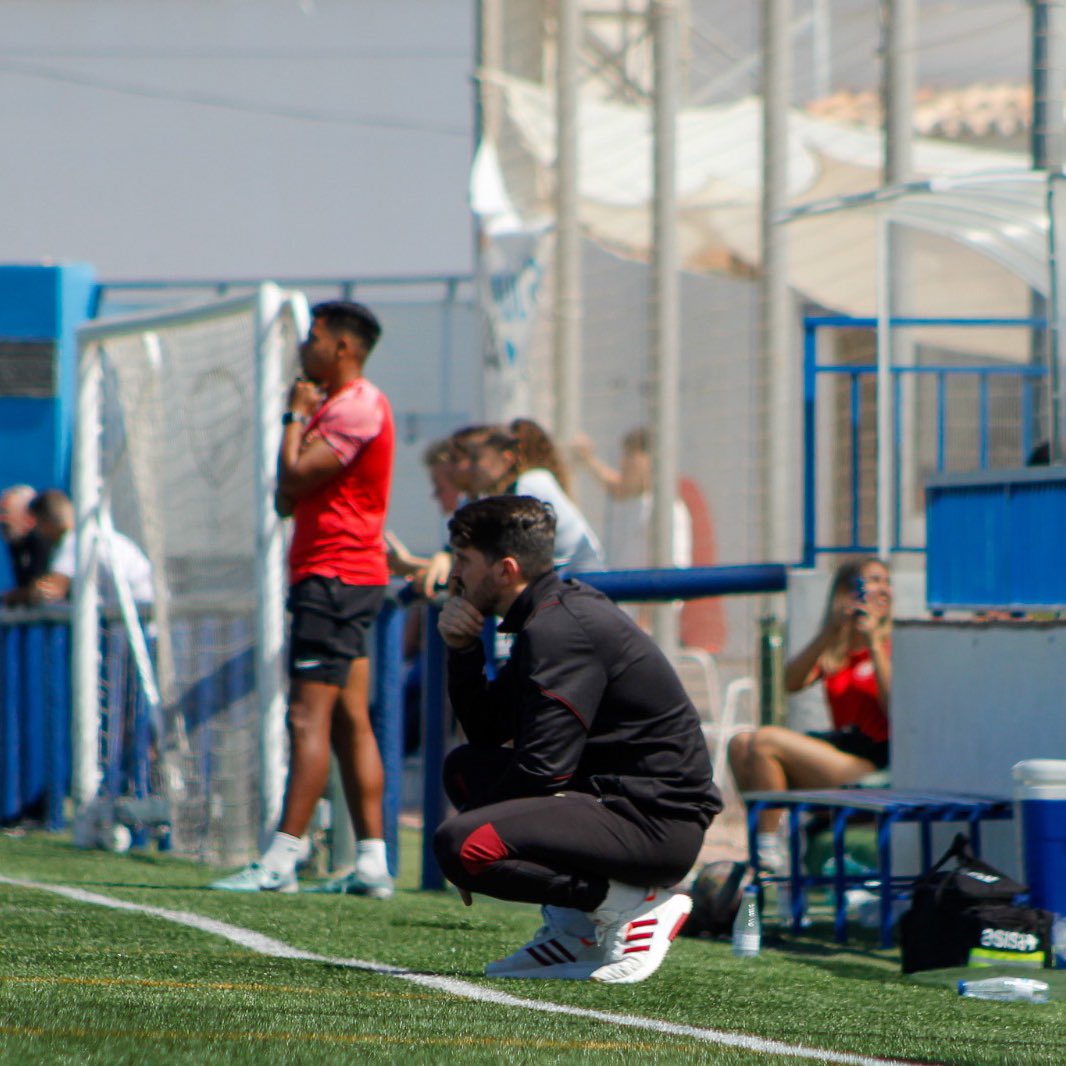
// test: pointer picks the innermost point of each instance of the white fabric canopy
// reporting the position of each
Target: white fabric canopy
(1002, 215)
(980, 240)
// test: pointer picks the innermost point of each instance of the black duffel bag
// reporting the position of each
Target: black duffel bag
(968, 915)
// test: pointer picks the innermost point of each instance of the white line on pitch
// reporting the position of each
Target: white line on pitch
(265, 945)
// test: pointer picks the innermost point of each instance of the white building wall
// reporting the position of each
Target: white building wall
(237, 138)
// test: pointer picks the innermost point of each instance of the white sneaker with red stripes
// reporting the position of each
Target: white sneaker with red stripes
(635, 928)
(564, 948)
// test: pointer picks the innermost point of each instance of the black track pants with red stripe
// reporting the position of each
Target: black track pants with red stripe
(559, 849)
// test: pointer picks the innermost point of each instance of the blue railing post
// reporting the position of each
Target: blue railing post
(386, 717)
(854, 420)
(434, 727)
(10, 741)
(32, 713)
(56, 680)
(897, 462)
(810, 450)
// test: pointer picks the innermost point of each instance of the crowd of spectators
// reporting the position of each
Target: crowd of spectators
(38, 528)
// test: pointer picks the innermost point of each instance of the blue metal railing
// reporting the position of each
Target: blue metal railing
(35, 708)
(34, 714)
(1029, 376)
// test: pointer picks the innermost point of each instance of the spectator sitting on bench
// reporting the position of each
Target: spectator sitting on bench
(851, 654)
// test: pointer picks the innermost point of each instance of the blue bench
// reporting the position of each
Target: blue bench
(888, 807)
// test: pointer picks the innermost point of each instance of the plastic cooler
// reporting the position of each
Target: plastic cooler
(1041, 794)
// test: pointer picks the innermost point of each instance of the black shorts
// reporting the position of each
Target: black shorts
(855, 742)
(330, 622)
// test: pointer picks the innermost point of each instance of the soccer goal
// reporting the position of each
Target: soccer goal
(178, 695)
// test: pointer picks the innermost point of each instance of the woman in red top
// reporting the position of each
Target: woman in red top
(851, 655)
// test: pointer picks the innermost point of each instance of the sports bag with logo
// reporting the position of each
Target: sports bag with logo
(967, 916)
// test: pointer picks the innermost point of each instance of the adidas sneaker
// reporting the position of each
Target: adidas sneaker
(563, 948)
(256, 878)
(352, 884)
(636, 928)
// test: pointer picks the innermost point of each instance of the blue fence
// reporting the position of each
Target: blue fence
(35, 688)
(861, 473)
(34, 714)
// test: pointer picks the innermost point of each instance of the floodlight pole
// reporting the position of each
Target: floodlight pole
(1048, 146)
(779, 375)
(665, 300)
(567, 234)
(899, 19)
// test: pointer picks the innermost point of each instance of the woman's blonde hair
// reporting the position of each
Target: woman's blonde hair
(845, 579)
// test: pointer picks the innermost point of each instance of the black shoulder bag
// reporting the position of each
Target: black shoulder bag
(968, 916)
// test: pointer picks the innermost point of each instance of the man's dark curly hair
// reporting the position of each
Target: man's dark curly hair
(500, 526)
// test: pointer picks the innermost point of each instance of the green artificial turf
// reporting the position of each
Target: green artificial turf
(81, 983)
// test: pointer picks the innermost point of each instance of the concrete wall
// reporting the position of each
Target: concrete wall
(971, 699)
(238, 138)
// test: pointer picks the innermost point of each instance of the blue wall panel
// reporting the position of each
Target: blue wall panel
(994, 540)
(42, 304)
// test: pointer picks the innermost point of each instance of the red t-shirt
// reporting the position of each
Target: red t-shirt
(339, 530)
(854, 698)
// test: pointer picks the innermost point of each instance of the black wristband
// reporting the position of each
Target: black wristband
(291, 416)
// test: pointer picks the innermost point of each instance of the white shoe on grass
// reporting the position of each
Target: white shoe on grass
(256, 878)
(636, 928)
(354, 884)
(563, 948)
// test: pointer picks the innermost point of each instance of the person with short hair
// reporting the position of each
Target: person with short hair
(600, 802)
(334, 476)
(53, 511)
(28, 550)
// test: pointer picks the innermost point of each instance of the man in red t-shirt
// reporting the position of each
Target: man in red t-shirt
(334, 474)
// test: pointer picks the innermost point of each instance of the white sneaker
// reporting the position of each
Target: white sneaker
(564, 948)
(256, 878)
(636, 928)
(773, 854)
(353, 884)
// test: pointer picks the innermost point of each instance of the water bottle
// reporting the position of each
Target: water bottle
(1012, 989)
(1058, 941)
(747, 928)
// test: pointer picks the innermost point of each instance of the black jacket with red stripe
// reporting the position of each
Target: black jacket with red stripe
(591, 705)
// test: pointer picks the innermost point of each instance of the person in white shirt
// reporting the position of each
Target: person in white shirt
(629, 492)
(500, 467)
(117, 553)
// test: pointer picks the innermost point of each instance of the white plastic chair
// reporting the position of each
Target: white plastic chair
(722, 716)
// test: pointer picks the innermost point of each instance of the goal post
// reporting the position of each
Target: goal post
(176, 438)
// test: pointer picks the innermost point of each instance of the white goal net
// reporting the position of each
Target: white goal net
(178, 702)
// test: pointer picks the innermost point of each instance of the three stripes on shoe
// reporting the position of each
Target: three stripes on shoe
(643, 929)
(552, 952)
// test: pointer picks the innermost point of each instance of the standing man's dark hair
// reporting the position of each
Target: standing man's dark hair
(586, 785)
(350, 317)
(334, 477)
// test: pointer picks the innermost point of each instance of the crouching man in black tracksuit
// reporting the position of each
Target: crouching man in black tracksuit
(602, 801)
